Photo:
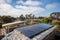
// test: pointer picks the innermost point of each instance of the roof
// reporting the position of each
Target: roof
(33, 30)
(13, 23)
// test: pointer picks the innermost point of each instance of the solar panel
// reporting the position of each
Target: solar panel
(33, 30)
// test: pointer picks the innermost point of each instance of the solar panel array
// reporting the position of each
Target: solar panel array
(33, 30)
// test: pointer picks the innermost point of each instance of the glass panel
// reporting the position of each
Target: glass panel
(33, 30)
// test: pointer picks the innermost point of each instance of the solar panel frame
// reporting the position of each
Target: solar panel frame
(33, 30)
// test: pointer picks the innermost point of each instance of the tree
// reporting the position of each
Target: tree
(1, 25)
(22, 17)
(45, 20)
(30, 16)
(40, 17)
(55, 15)
(56, 22)
(8, 19)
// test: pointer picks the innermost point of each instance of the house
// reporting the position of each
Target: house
(32, 32)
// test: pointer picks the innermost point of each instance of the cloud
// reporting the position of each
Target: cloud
(32, 3)
(29, 3)
(8, 1)
(7, 9)
(51, 6)
(19, 2)
(31, 9)
(2, 1)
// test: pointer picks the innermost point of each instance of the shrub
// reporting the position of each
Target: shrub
(56, 22)
(0, 25)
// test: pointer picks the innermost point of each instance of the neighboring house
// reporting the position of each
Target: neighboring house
(32, 32)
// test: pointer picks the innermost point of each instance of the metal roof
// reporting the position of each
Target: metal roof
(13, 23)
(33, 30)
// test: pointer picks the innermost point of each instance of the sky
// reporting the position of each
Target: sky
(15, 8)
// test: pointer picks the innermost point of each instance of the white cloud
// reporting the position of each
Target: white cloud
(2, 1)
(51, 6)
(32, 3)
(7, 9)
(8, 1)
(19, 2)
(29, 3)
(30, 9)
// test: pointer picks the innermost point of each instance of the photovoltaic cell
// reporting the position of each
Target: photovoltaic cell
(33, 30)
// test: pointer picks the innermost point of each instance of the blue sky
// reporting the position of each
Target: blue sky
(38, 7)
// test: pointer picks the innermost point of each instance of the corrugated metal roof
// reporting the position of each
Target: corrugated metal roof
(33, 30)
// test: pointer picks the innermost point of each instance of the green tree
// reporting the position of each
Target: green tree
(30, 16)
(22, 17)
(8, 19)
(57, 24)
(55, 15)
(56, 20)
(45, 20)
(1, 25)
